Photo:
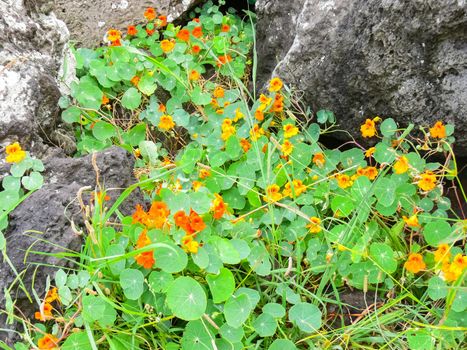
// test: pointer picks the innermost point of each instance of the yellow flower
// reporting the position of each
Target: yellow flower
(427, 181)
(256, 132)
(438, 130)
(189, 245)
(411, 221)
(343, 180)
(298, 188)
(166, 122)
(401, 165)
(415, 263)
(319, 160)
(369, 152)
(290, 130)
(442, 253)
(315, 225)
(273, 193)
(238, 115)
(264, 99)
(275, 84)
(204, 173)
(197, 185)
(368, 129)
(287, 148)
(114, 35)
(15, 153)
(227, 129)
(194, 75)
(167, 45)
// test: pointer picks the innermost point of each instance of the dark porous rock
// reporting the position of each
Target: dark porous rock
(43, 221)
(361, 58)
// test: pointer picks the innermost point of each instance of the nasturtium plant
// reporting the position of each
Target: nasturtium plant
(248, 233)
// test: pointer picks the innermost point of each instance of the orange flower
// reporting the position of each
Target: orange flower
(218, 92)
(223, 60)
(368, 129)
(189, 245)
(259, 115)
(135, 80)
(264, 99)
(287, 148)
(370, 172)
(401, 165)
(48, 341)
(411, 221)
(150, 31)
(194, 75)
(218, 207)
(131, 30)
(273, 193)
(159, 208)
(369, 152)
(105, 100)
(196, 222)
(139, 216)
(319, 160)
(166, 122)
(442, 253)
(167, 45)
(204, 173)
(290, 130)
(427, 181)
(197, 32)
(315, 225)
(415, 263)
(145, 259)
(256, 132)
(15, 153)
(196, 20)
(162, 21)
(196, 185)
(278, 104)
(196, 49)
(245, 145)
(343, 181)
(184, 35)
(150, 13)
(225, 28)
(143, 240)
(438, 130)
(275, 84)
(114, 35)
(298, 188)
(47, 312)
(52, 295)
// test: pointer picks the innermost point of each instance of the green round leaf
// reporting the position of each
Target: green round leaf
(274, 309)
(436, 231)
(197, 337)
(170, 258)
(232, 334)
(75, 341)
(71, 114)
(237, 310)
(160, 280)
(88, 95)
(33, 181)
(222, 285)
(388, 127)
(131, 99)
(306, 317)
(186, 298)
(282, 344)
(103, 130)
(383, 255)
(437, 288)
(132, 282)
(265, 325)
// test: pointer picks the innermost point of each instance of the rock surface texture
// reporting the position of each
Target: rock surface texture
(30, 57)
(89, 20)
(51, 210)
(360, 58)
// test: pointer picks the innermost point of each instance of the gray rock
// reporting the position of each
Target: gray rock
(89, 20)
(43, 221)
(30, 55)
(361, 58)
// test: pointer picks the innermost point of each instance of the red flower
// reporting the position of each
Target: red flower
(132, 30)
(197, 32)
(225, 28)
(223, 60)
(196, 222)
(163, 21)
(196, 20)
(183, 35)
(150, 31)
(195, 49)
